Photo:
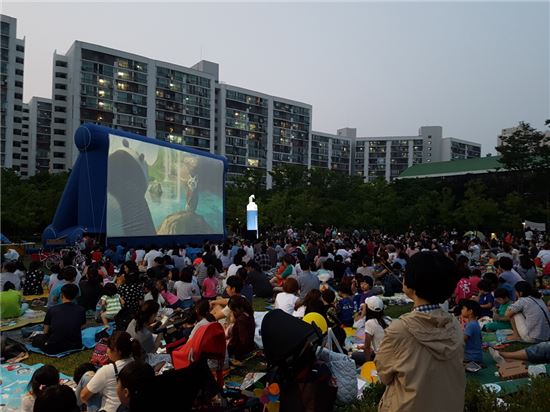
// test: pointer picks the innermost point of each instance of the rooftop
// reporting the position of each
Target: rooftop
(454, 168)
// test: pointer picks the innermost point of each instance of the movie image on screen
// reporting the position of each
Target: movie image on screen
(155, 190)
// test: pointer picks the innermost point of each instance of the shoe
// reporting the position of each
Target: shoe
(496, 356)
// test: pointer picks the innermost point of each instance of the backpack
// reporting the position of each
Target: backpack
(99, 356)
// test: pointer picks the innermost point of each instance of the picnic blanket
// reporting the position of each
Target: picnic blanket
(28, 318)
(13, 384)
(88, 342)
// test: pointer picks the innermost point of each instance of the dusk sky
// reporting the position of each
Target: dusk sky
(384, 68)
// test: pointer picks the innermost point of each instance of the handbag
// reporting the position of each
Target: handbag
(342, 368)
(99, 355)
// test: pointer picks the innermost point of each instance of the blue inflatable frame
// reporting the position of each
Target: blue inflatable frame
(83, 205)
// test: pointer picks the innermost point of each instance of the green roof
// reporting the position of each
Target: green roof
(454, 168)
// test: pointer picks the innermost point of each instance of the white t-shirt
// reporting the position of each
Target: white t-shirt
(150, 257)
(140, 253)
(373, 328)
(232, 270)
(286, 302)
(160, 299)
(104, 382)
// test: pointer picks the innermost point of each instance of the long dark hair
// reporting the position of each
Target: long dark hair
(146, 310)
(379, 316)
(239, 305)
(123, 343)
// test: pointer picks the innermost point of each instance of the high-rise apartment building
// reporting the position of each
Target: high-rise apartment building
(12, 60)
(40, 132)
(96, 84)
(256, 130)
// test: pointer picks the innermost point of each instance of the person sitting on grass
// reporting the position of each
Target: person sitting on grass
(11, 305)
(69, 277)
(420, 357)
(142, 326)
(500, 321)
(43, 377)
(375, 325)
(210, 284)
(122, 350)
(111, 303)
(233, 286)
(241, 334)
(286, 300)
(529, 315)
(344, 307)
(171, 300)
(485, 298)
(62, 324)
(134, 387)
(58, 398)
(470, 311)
(86, 371)
(34, 279)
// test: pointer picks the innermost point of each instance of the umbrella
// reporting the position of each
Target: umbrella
(475, 233)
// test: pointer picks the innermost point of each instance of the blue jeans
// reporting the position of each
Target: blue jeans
(94, 403)
(539, 353)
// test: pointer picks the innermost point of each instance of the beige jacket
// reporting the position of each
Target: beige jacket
(420, 361)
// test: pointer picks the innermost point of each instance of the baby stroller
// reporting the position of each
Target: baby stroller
(290, 347)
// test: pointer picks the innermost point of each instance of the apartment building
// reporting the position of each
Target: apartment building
(12, 60)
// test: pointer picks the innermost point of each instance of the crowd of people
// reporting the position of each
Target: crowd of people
(459, 286)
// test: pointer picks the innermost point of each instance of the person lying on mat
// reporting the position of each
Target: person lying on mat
(62, 324)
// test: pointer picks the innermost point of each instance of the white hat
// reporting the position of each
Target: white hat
(375, 304)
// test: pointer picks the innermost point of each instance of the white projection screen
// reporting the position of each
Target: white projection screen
(154, 190)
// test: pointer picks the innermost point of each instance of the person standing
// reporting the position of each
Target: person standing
(420, 357)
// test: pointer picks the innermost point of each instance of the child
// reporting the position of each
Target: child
(210, 284)
(152, 293)
(286, 300)
(472, 332)
(485, 298)
(344, 307)
(475, 278)
(365, 291)
(82, 375)
(500, 321)
(34, 279)
(171, 300)
(375, 324)
(43, 377)
(111, 303)
(185, 289)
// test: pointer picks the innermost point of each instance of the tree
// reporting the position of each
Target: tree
(526, 148)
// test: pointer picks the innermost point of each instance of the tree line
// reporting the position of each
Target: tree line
(492, 202)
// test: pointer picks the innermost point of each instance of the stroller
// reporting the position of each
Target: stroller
(306, 384)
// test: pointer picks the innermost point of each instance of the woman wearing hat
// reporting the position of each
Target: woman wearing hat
(375, 324)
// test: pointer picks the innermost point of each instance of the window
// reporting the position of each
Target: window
(18, 96)
(19, 60)
(59, 155)
(61, 75)
(60, 109)
(19, 48)
(19, 72)
(59, 143)
(58, 120)
(59, 63)
(60, 86)
(18, 83)
(59, 132)
(58, 166)
(60, 97)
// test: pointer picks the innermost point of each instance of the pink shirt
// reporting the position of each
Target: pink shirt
(210, 286)
(170, 298)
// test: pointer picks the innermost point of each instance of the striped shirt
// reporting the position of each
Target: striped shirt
(112, 305)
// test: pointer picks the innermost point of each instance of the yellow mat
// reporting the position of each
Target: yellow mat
(15, 323)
